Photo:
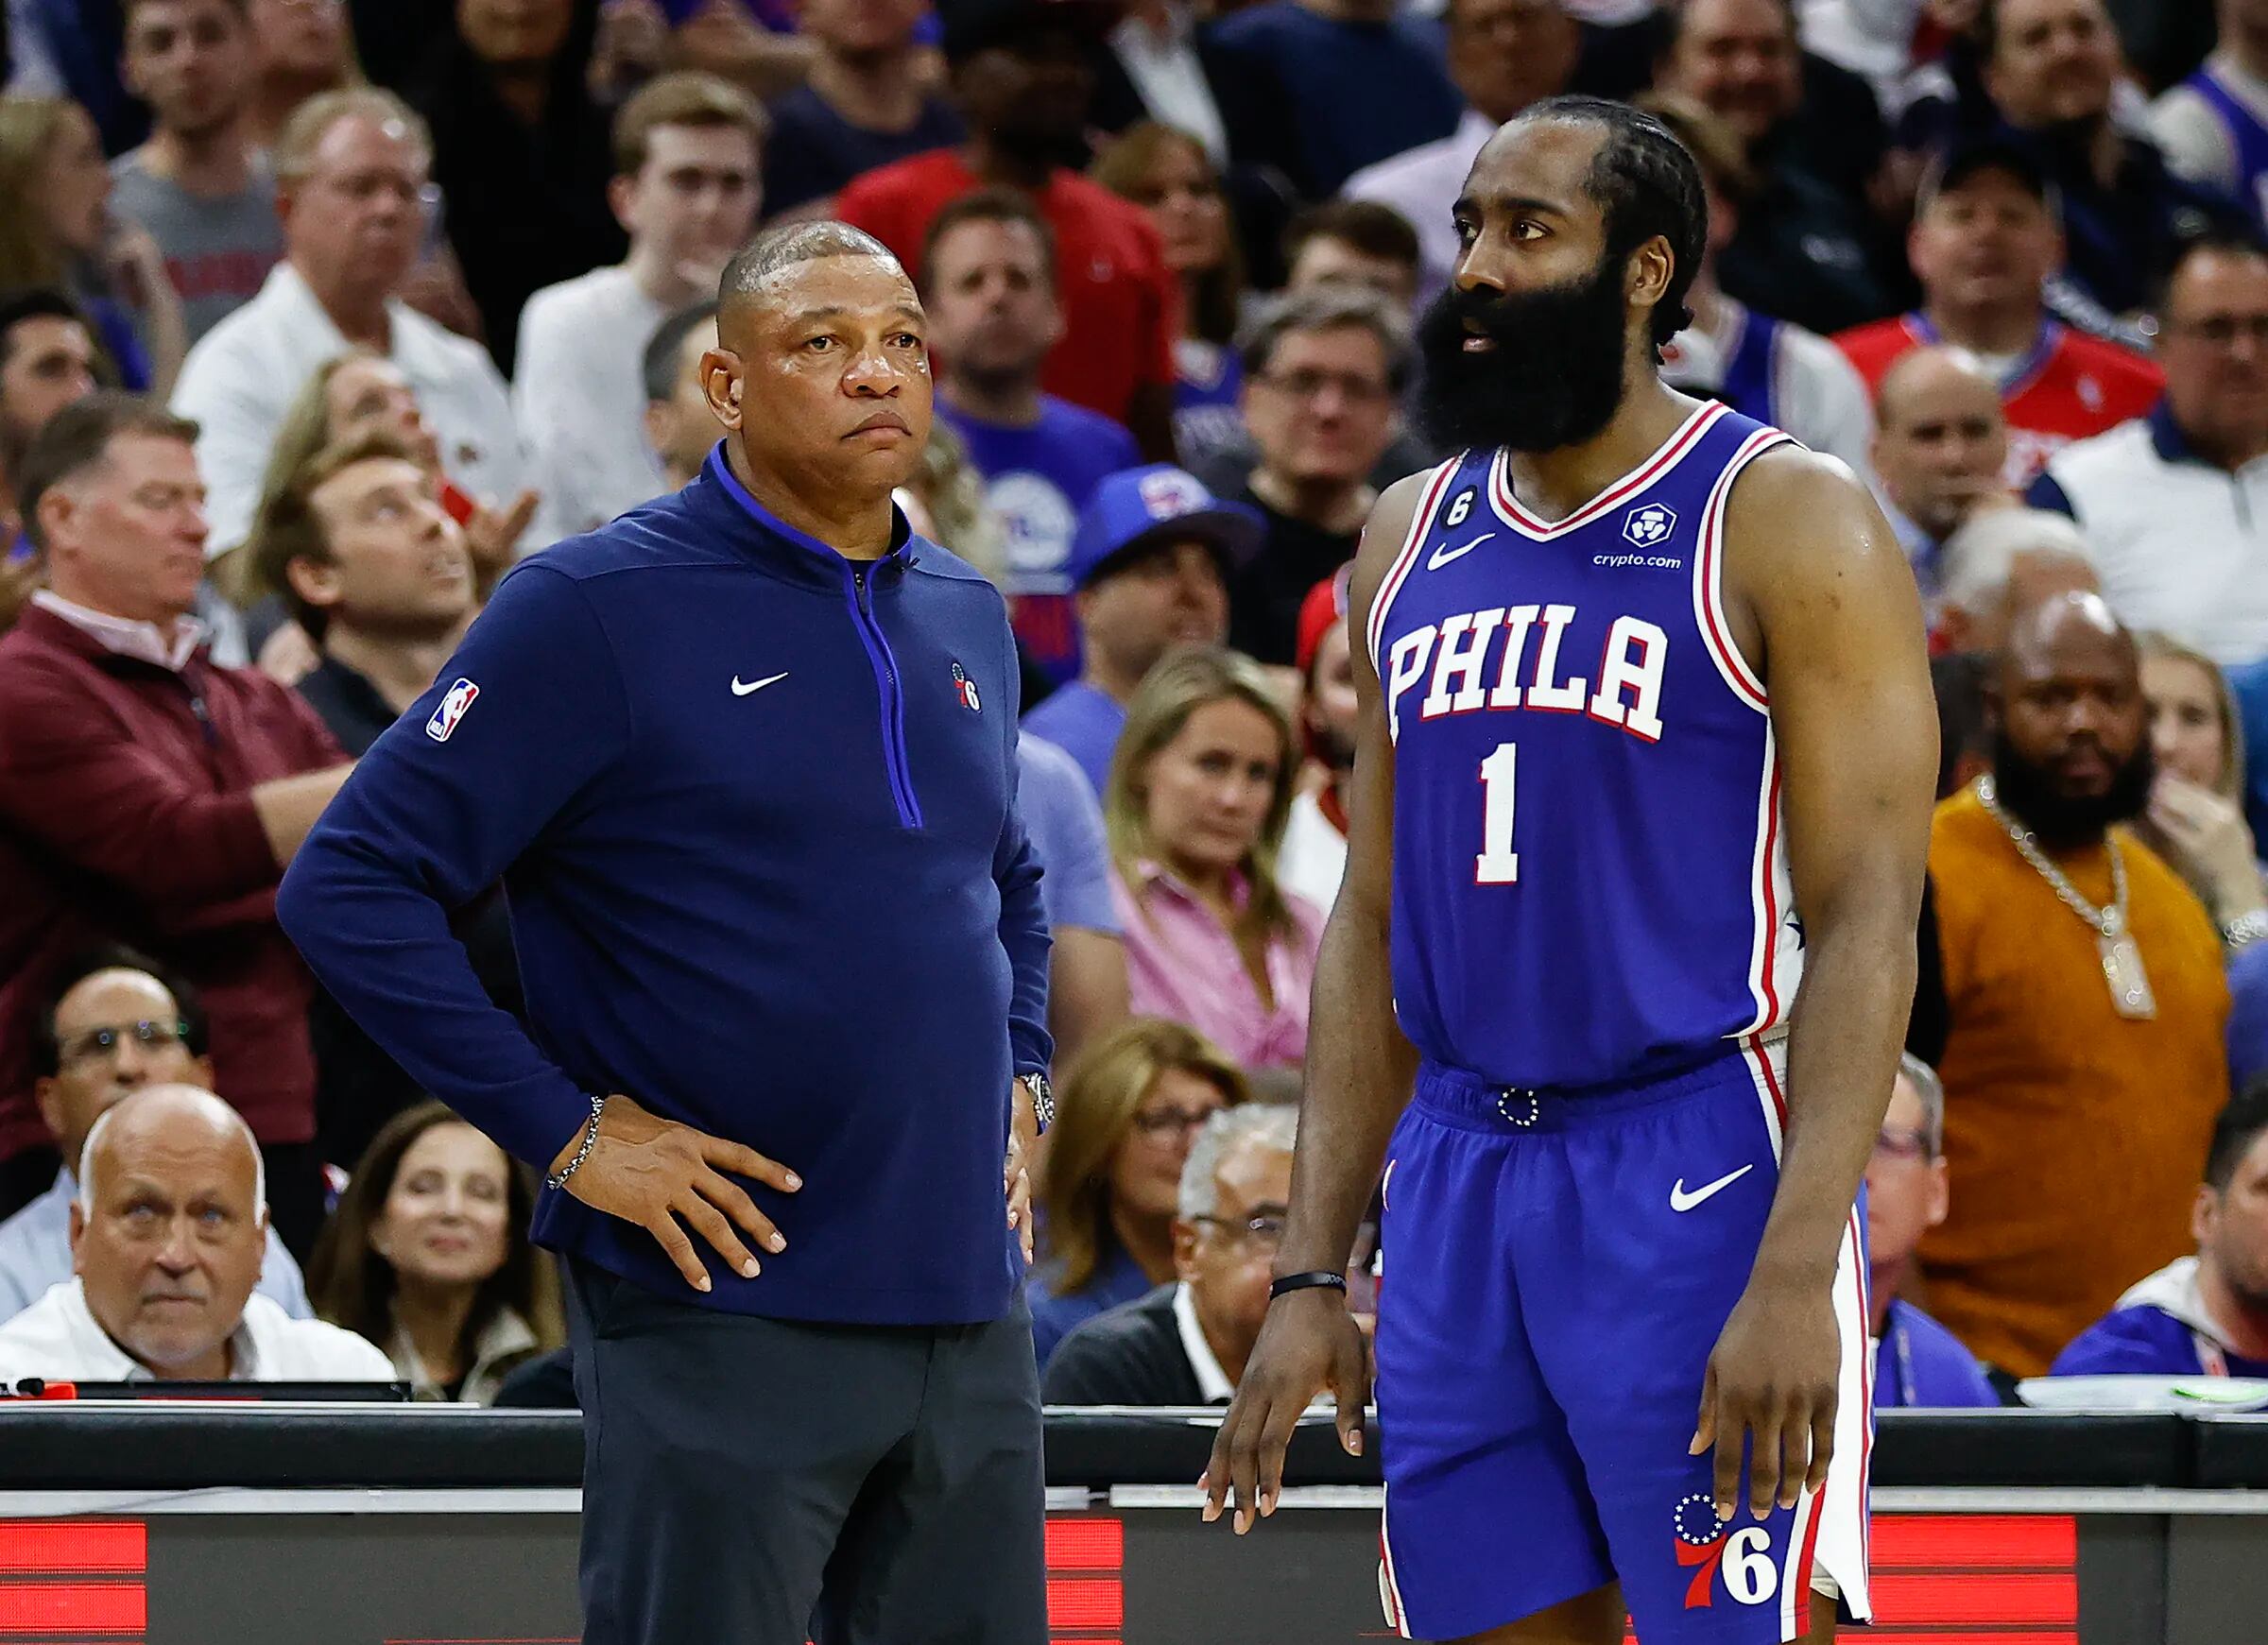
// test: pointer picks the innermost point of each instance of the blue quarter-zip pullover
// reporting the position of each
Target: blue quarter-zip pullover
(753, 805)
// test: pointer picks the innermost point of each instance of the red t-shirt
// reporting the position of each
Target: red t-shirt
(2069, 387)
(1121, 306)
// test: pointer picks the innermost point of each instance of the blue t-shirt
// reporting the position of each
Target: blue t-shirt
(1064, 822)
(1353, 93)
(1919, 1364)
(1208, 422)
(1118, 1278)
(1036, 480)
(2143, 1342)
(811, 151)
(1083, 722)
(2247, 1016)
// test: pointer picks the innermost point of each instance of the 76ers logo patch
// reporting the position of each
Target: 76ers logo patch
(1743, 1557)
(965, 689)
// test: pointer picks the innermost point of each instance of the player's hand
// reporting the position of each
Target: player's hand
(1014, 1173)
(1771, 1377)
(1308, 1343)
(667, 1177)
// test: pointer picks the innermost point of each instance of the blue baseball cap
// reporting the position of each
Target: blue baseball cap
(1139, 508)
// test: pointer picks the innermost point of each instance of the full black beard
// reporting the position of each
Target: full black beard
(2030, 795)
(1554, 379)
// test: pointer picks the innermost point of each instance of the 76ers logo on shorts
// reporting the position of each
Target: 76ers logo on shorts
(453, 708)
(1743, 1556)
(965, 687)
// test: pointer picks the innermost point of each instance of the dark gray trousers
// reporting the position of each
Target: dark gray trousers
(757, 1481)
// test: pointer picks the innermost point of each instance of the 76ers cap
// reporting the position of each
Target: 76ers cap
(1141, 508)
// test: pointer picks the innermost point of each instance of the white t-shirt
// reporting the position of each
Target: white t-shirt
(242, 375)
(1313, 859)
(57, 1339)
(579, 391)
(2195, 144)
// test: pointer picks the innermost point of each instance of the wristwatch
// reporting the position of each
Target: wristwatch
(1043, 1098)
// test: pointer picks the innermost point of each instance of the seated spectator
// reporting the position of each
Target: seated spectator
(1151, 564)
(2195, 819)
(55, 191)
(681, 430)
(1985, 239)
(300, 49)
(166, 1238)
(1125, 1118)
(861, 106)
(1170, 176)
(1349, 82)
(47, 360)
(1353, 243)
(1805, 250)
(1762, 367)
(1324, 373)
(199, 185)
(1940, 448)
(1199, 792)
(427, 1254)
(1086, 962)
(2213, 126)
(989, 280)
(2001, 561)
(1313, 858)
(686, 150)
(112, 1028)
(1020, 75)
(1186, 1342)
(153, 793)
(522, 154)
(2083, 985)
(372, 567)
(1504, 56)
(350, 170)
(2203, 1314)
(2167, 501)
(1918, 1362)
(2051, 68)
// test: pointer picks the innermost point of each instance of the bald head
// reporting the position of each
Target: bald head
(2070, 755)
(168, 1121)
(1941, 437)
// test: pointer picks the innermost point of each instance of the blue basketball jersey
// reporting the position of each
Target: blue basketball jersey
(2247, 140)
(1590, 881)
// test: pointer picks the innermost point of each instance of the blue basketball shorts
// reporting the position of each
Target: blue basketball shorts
(1554, 1272)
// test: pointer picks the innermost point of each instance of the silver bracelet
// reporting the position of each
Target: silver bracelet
(558, 1179)
(2246, 930)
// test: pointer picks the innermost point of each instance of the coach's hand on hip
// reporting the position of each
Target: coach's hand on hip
(658, 1174)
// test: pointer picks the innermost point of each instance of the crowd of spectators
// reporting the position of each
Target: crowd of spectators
(316, 316)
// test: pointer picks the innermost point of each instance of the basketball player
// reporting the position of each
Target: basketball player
(1646, 746)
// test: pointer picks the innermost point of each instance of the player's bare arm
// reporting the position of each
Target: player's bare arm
(1360, 1071)
(1824, 607)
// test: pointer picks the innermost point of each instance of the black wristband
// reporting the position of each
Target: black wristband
(1321, 1279)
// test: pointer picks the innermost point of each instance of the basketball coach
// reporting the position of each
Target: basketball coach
(745, 759)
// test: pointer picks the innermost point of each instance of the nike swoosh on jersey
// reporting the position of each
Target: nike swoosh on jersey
(1441, 557)
(1683, 1201)
(741, 687)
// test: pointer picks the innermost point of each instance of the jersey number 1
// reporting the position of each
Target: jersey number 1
(1498, 864)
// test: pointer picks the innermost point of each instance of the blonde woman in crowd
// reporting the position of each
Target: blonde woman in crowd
(2195, 819)
(1125, 1116)
(428, 1256)
(1200, 789)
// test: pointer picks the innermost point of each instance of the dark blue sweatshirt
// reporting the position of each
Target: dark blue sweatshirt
(753, 805)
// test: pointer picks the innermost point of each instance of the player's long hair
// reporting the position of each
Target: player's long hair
(1176, 688)
(353, 1286)
(1094, 1115)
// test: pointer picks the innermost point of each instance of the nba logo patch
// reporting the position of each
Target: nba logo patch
(1649, 523)
(453, 708)
(965, 687)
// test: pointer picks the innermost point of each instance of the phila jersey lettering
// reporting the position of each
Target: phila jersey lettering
(1590, 881)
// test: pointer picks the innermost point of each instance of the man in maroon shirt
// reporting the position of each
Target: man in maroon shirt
(1020, 75)
(147, 795)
